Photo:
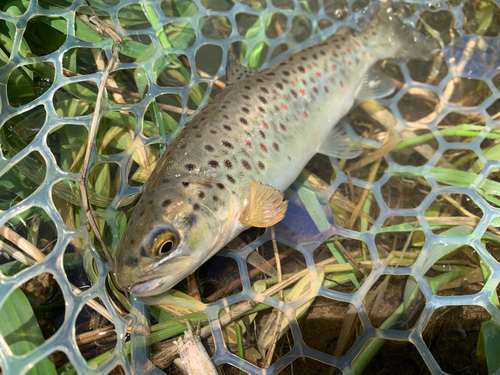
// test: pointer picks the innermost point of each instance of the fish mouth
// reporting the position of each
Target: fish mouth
(168, 276)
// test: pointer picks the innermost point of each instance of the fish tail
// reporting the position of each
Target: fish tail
(411, 43)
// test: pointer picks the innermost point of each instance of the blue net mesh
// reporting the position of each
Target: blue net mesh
(169, 65)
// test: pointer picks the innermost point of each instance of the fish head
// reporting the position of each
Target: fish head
(174, 228)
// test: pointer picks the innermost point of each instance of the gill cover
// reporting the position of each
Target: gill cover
(174, 228)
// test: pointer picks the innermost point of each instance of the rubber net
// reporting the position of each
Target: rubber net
(433, 196)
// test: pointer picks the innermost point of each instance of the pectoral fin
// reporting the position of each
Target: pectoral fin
(265, 206)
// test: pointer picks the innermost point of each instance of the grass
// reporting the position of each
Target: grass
(355, 208)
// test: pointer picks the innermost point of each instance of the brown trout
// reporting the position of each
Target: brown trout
(226, 170)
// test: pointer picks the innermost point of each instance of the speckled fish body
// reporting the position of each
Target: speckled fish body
(262, 128)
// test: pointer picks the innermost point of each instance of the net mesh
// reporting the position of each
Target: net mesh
(169, 65)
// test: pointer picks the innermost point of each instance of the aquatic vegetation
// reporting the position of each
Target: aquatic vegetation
(377, 244)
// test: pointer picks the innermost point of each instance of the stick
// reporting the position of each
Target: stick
(93, 130)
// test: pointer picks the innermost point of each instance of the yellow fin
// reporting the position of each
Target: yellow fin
(265, 208)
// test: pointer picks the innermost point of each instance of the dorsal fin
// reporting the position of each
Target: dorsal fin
(235, 71)
(265, 206)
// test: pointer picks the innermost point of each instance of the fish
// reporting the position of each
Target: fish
(228, 167)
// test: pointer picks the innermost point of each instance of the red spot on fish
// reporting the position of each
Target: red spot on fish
(365, 38)
(228, 164)
(213, 164)
(302, 92)
(282, 127)
(246, 165)
(348, 51)
(370, 55)
(349, 63)
(334, 67)
(318, 74)
(359, 45)
(264, 124)
(304, 114)
(263, 148)
(247, 142)
(284, 106)
(341, 85)
(326, 89)
(276, 147)
(335, 53)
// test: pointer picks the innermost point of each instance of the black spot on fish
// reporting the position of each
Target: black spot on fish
(201, 195)
(198, 135)
(228, 164)
(220, 186)
(259, 80)
(264, 90)
(132, 261)
(191, 220)
(322, 53)
(261, 165)
(213, 164)
(262, 134)
(225, 116)
(227, 127)
(246, 97)
(245, 109)
(185, 183)
(276, 146)
(227, 144)
(315, 90)
(279, 86)
(248, 88)
(303, 58)
(132, 241)
(285, 73)
(196, 206)
(270, 74)
(294, 93)
(166, 202)
(209, 148)
(215, 198)
(142, 213)
(315, 57)
(243, 121)
(246, 165)
(232, 180)
(301, 69)
(212, 131)
(263, 100)
(261, 109)
(190, 167)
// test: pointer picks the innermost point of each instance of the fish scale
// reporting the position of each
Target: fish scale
(262, 128)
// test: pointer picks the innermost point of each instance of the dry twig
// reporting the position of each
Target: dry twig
(93, 131)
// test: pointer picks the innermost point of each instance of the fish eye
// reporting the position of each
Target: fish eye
(166, 247)
(164, 243)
